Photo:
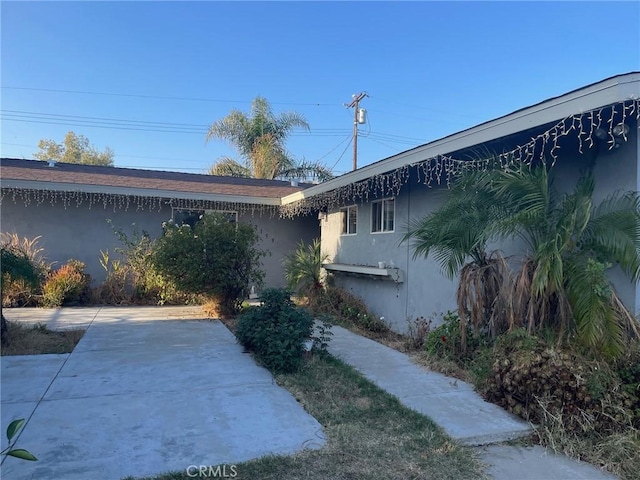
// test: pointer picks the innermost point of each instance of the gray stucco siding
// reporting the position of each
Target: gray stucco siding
(426, 290)
(82, 232)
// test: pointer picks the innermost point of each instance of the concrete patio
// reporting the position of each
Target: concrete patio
(147, 390)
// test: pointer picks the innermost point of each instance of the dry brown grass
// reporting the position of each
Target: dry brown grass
(38, 339)
(618, 453)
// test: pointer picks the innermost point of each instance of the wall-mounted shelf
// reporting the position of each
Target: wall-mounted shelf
(393, 274)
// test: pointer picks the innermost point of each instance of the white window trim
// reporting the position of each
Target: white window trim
(382, 220)
(346, 211)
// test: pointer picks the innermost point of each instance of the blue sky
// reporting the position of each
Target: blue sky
(431, 69)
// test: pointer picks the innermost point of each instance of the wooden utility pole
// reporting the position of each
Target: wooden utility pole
(356, 110)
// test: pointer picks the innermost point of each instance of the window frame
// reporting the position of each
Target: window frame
(383, 201)
(346, 211)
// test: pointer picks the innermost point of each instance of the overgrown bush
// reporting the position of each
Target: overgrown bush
(133, 277)
(302, 268)
(346, 308)
(216, 258)
(446, 341)
(537, 381)
(276, 330)
(68, 285)
(17, 291)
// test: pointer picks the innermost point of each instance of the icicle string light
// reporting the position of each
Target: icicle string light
(125, 202)
(442, 169)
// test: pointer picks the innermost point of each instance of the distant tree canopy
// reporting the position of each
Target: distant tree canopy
(74, 149)
(260, 139)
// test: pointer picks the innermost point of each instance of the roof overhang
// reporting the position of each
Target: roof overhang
(138, 192)
(607, 92)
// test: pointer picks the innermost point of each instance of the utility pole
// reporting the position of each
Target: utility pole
(359, 117)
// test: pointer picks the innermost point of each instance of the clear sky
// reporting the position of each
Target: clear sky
(147, 78)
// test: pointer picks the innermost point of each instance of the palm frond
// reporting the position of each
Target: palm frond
(227, 167)
(302, 267)
(599, 327)
(613, 232)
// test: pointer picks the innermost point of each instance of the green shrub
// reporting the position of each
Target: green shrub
(276, 330)
(68, 285)
(216, 258)
(445, 341)
(302, 268)
(19, 290)
(134, 278)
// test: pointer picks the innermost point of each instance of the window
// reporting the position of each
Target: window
(382, 215)
(191, 217)
(349, 220)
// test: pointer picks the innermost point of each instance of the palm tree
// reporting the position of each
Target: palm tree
(302, 268)
(457, 236)
(260, 139)
(570, 244)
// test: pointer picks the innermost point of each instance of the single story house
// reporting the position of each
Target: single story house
(68, 205)
(362, 215)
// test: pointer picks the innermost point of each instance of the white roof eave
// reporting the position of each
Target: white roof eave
(607, 92)
(141, 192)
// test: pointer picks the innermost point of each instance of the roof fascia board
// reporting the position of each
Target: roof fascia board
(141, 192)
(607, 92)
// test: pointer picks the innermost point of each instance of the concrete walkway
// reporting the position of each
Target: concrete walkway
(144, 392)
(459, 411)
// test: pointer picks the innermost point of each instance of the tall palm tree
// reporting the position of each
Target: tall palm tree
(570, 244)
(260, 139)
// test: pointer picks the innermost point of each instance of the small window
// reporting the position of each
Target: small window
(349, 220)
(382, 215)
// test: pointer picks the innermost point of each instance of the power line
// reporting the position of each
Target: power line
(341, 155)
(161, 97)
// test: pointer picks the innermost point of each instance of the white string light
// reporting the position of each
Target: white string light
(435, 170)
(443, 168)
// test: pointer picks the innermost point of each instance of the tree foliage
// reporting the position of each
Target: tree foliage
(570, 245)
(260, 138)
(302, 267)
(216, 258)
(75, 148)
(14, 264)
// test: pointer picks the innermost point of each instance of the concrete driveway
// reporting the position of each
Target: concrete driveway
(147, 390)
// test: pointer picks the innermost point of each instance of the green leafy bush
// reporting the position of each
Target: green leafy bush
(19, 290)
(276, 330)
(445, 340)
(133, 277)
(216, 258)
(68, 285)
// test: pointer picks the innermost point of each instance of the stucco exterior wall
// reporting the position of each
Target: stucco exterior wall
(81, 233)
(426, 290)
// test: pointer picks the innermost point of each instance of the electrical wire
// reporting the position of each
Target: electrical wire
(341, 155)
(161, 97)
